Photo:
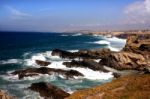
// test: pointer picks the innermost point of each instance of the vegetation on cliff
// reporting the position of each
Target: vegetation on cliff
(129, 87)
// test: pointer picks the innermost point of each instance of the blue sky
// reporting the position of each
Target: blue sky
(70, 15)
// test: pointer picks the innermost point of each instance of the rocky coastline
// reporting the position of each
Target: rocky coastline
(132, 62)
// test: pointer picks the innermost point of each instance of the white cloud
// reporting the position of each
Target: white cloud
(16, 14)
(138, 12)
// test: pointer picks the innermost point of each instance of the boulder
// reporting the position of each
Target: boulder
(49, 91)
(42, 63)
(43, 70)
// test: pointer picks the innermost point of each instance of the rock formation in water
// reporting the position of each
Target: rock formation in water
(42, 63)
(43, 70)
(49, 91)
(86, 63)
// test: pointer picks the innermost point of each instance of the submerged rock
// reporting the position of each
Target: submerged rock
(42, 63)
(43, 70)
(49, 91)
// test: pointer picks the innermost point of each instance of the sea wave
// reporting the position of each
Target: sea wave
(115, 39)
(102, 42)
(76, 34)
(11, 61)
(64, 35)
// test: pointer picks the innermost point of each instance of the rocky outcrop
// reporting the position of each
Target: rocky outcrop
(63, 54)
(85, 54)
(135, 55)
(49, 91)
(4, 95)
(43, 70)
(128, 87)
(125, 60)
(94, 54)
(91, 64)
(42, 63)
(138, 44)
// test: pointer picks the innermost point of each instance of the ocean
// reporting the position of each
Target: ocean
(19, 50)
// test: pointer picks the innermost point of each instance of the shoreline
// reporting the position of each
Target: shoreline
(87, 57)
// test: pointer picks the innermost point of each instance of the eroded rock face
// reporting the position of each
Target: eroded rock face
(94, 54)
(43, 70)
(49, 91)
(125, 60)
(135, 54)
(42, 63)
(138, 44)
(4, 95)
(87, 63)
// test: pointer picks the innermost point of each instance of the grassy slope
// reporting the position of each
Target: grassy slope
(129, 87)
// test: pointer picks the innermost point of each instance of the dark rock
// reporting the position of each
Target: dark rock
(94, 54)
(43, 70)
(85, 54)
(42, 63)
(63, 54)
(116, 75)
(49, 91)
(85, 64)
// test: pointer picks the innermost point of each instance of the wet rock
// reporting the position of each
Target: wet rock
(91, 64)
(85, 54)
(43, 70)
(49, 91)
(42, 63)
(63, 54)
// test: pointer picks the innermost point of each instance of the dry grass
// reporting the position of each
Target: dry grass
(129, 87)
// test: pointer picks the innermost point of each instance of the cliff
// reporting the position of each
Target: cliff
(129, 87)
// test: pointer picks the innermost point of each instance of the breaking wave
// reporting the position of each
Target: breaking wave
(11, 61)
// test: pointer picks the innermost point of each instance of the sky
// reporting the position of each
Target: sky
(73, 15)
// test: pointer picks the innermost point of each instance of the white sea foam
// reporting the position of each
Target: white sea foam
(94, 75)
(115, 39)
(114, 49)
(11, 61)
(102, 42)
(64, 35)
(77, 34)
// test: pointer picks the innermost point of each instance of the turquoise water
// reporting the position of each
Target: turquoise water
(20, 50)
